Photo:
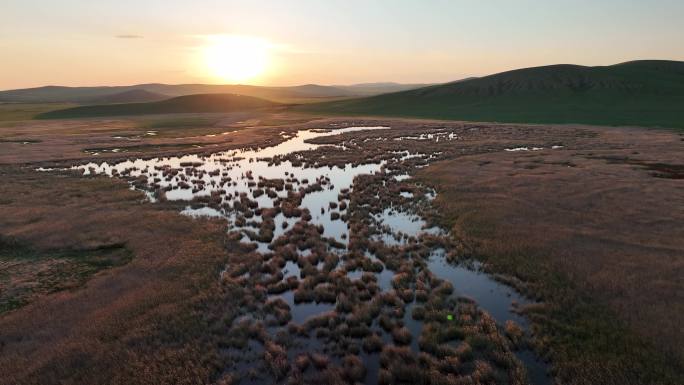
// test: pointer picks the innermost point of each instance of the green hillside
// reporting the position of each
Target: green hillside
(181, 104)
(648, 93)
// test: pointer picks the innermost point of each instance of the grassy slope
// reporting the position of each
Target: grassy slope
(181, 104)
(10, 112)
(649, 93)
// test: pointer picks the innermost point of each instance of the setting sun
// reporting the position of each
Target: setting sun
(236, 58)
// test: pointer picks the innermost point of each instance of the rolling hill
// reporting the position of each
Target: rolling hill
(648, 93)
(131, 96)
(182, 104)
(293, 94)
(86, 95)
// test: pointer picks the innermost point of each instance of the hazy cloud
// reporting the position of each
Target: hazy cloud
(129, 37)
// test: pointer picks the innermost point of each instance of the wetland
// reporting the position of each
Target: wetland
(287, 249)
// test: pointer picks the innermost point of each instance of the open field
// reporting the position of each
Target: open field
(584, 221)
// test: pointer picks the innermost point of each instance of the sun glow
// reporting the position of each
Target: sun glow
(236, 58)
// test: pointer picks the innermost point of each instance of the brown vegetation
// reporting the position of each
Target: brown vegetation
(583, 228)
(62, 140)
(121, 322)
(175, 314)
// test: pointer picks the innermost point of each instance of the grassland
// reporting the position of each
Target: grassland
(145, 316)
(10, 112)
(177, 126)
(596, 235)
(202, 103)
(643, 93)
(57, 270)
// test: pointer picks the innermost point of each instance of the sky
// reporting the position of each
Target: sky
(88, 43)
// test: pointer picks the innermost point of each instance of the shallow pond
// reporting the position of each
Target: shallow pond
(232, 173)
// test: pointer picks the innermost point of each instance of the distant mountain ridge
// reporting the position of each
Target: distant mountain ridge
(201, 103)
(281, 94)
(646, 92)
